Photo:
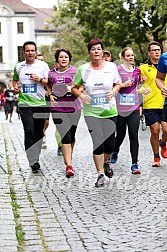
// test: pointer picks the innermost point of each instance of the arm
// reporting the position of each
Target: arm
(16, 86)
(37, 78)
(78, 92)
(160, 83)
(52, 97)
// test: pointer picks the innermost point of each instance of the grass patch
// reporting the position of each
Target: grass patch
(15, 207)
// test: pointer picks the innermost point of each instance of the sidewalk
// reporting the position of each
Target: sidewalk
(47, 212)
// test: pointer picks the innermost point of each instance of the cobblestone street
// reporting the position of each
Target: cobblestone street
(46, 212)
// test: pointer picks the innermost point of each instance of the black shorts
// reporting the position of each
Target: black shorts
(153, 115)
(165, 112)
(9, 106)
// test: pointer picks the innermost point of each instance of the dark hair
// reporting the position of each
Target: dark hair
(154, 43)
(124, 50)
(39, 54)
(62, 50)
(29, 43)
(107, 52)
(94, 41)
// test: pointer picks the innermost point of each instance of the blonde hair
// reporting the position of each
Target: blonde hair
(124, 50)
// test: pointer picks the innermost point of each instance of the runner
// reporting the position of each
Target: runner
(65, 108)
(10, 101)
(128, 109)
(30, 77)
(40, 56)
(153, 104)
(99, 106)
(160, 79)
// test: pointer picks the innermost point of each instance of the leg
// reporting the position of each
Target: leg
(120, 135)
(120, 132)
(39, 122)
(66, 124)
(95, 129)
(154, 138)
(153, 118)
(164, 131)
(109, 127)
(133, 121)
(163, 140)
(30, 139)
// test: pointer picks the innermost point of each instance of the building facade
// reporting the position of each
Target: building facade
(19, 23)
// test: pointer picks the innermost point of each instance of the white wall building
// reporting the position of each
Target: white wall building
(19, 23)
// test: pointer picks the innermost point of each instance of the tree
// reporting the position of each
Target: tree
(69, 35)
(120, 23)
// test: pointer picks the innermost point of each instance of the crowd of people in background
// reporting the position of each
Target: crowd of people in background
(109, 95)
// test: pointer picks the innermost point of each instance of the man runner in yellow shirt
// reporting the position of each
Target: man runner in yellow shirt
(153, 103)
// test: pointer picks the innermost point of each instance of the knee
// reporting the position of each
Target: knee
(99, 150)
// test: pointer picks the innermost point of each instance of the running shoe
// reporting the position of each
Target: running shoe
(135, 169)
(100, 180)
(114, 157)
(164, 151)
(35, 167)
(156, 162)
(59, 151)
(69, 171)
(108, 170)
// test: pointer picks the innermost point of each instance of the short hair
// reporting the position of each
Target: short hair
(107, 52)
(124, 50)
(39, 54)
(58, 51)
(94, 41)
(154, 43)
(29, 43)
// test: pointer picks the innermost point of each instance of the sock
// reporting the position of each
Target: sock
(162, 143)
(100, 172)
(156, 155)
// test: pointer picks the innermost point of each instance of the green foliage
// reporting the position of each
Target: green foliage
(118, 23)
(69, 35)
(48, 55)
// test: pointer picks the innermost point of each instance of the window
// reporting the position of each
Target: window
(20, 27)
(20, 53)
(1, 55)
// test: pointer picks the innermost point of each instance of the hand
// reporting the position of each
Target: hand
(53, 100)
(146, 91)
(127, 83)
(68, 89)
(85, 98)
(143, 78)
(35, 77)
(110, 94)
(17, 89)
(164, 91)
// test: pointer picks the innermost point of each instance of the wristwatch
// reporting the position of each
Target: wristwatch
(41, 79)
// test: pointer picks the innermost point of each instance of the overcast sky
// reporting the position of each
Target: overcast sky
(40, 3)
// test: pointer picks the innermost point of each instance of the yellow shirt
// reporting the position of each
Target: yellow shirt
(154, 100)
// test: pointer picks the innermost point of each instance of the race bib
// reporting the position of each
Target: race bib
(29, 88)
(127, 99)
(98, 100)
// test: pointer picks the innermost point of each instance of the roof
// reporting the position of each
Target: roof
(16, 6)
(41, 14)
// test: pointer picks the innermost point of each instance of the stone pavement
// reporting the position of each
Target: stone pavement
(47, 212)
